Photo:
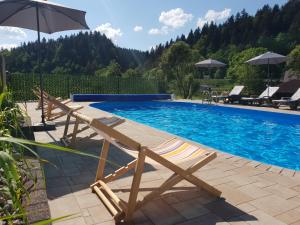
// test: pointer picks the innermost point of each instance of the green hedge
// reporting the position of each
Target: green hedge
(64, 85)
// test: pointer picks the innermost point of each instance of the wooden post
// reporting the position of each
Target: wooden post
(67, 126)
(102, 160)
(73, 140)
(135, 185)
(3, 73)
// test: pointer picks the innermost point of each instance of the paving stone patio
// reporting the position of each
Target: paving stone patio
(252, 193)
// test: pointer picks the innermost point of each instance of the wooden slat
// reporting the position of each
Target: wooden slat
(107, 203)
(115, 198)
(175, 179)
(75, 129)
(183, 173)
(110, 133)
(135, 185)
(120, 172)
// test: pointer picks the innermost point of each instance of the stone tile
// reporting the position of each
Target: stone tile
(246, 207)
(223, 209)
(208, 219)
(296, 223)
(242, 180)
(162, 214)
(253, 191)
(282, 192)
(274, 205)
(57, 182)
(261, 218)
(275, 169)
(289, 217)
(99, 214)
(296, 188)
(233, 195)
(63, 206)
(87, 200)
(57, 192)
(287, 172)
(191, 209)
(74, 221)
(237, 221)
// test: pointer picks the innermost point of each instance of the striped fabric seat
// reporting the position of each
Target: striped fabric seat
(179, 150)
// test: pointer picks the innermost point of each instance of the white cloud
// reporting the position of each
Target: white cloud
(175, 18)
(109, 31)
(8, 46)
(162, 31)
(137, 28)
(213, 16)
(12, 33)
(170, 20)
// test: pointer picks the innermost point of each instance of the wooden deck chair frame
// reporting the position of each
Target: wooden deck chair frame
(124, 210)
(37, 93)
(53, 104)
(69, 139)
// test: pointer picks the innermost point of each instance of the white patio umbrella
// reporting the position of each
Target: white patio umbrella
(41, 16)
(210, 63)
(267, 58)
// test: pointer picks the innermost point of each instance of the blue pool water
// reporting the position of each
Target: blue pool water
(272, 138)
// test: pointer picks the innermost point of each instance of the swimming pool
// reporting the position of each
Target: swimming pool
(272, 138)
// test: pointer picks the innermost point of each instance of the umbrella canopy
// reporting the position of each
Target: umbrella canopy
(41, 16)
(267, 58)
(51, 16)
(210, 63)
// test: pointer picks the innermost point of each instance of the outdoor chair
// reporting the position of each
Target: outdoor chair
(37, 93)
(63, 109)
(173, 154)
(292, 102)
(265, 96)
(234, 95)
(69, 139)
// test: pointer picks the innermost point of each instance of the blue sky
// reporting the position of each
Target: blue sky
(141, 24)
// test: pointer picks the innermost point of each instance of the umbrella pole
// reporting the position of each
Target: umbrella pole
(39, 63)
(268, 78)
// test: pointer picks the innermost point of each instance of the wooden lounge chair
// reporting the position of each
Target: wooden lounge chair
(63, 109)
(170, 154)
(37, 93)
(234, 95)
(69, 139)
(293, 101)
(266, 95)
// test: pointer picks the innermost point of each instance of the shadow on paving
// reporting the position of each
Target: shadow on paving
(68, 172)
(180, 205)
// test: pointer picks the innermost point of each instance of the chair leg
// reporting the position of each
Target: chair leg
(135, 186)
(102, 161)
(49, 111)
(73, 139)
(67, 126)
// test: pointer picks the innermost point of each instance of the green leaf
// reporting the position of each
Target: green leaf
(45, 222)
(19, 141)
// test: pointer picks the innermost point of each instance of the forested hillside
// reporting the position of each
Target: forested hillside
(83, 53)
(277, 29)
